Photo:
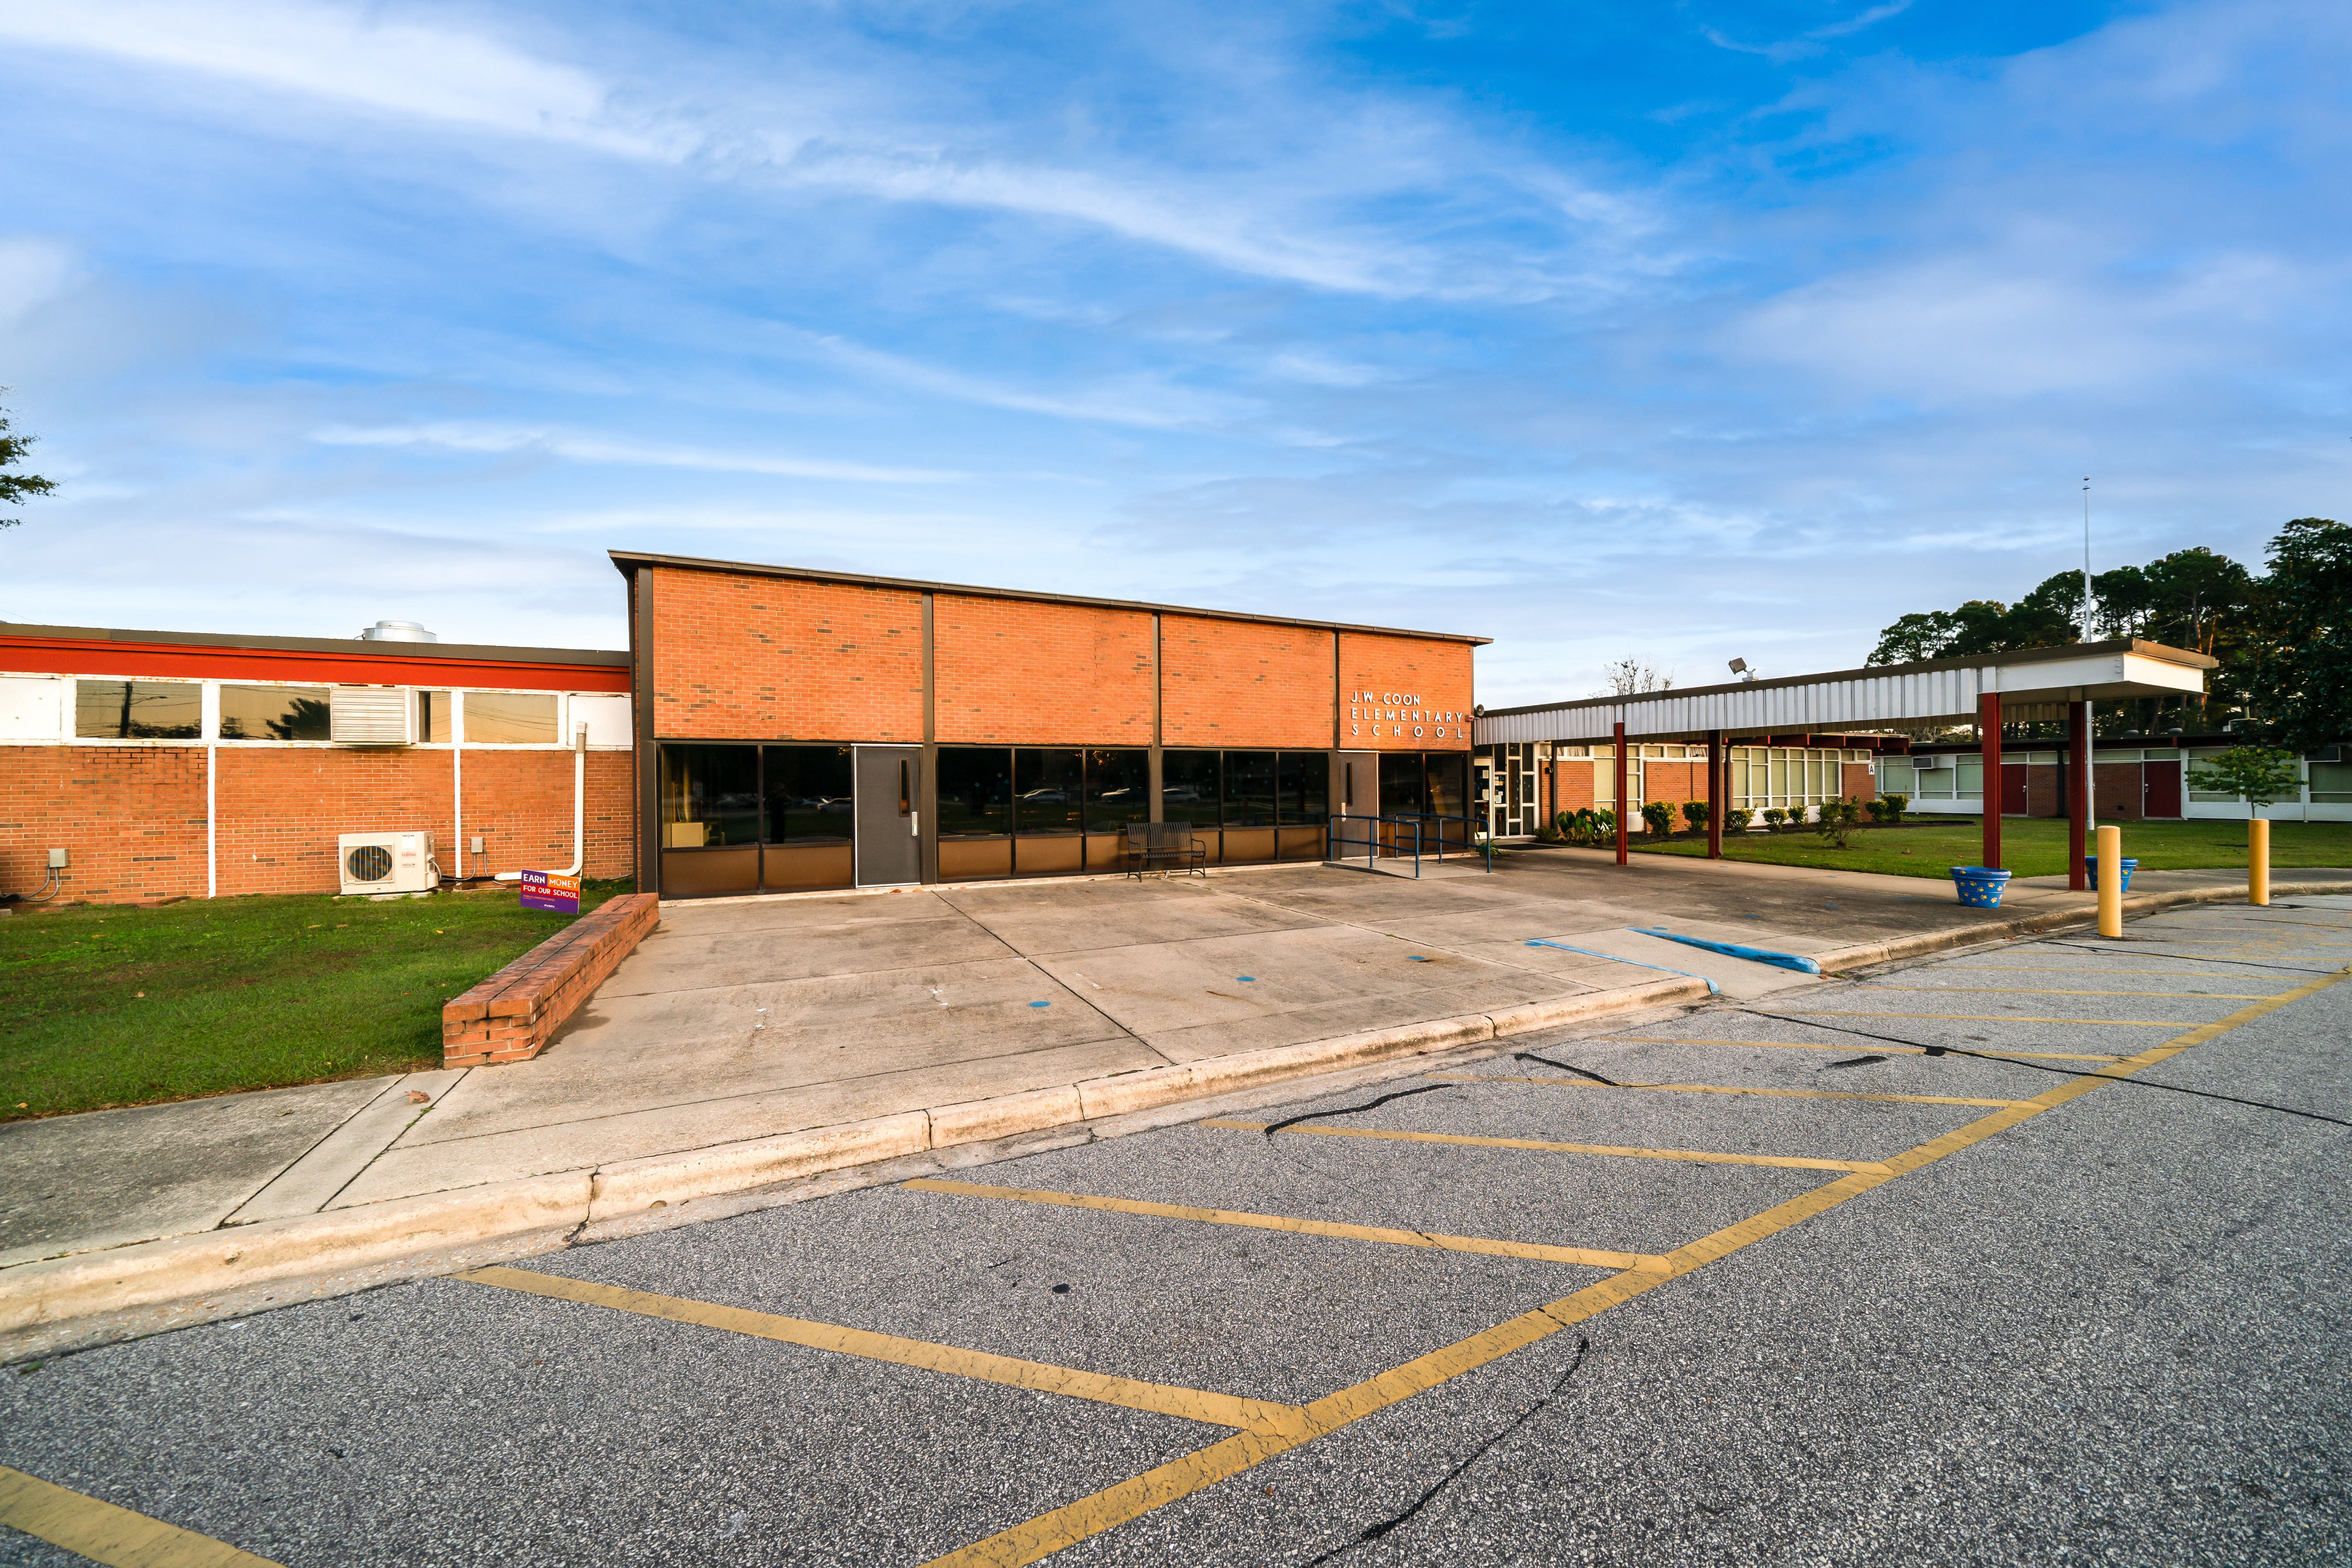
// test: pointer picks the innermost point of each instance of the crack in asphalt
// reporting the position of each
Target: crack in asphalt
(1398, 1520)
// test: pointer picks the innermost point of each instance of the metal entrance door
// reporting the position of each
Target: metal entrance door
(889, 825)
(2159, 789)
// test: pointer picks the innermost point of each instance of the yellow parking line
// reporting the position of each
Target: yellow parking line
(1587, 1256)
(2036, 991)
(1994, 1018)
(2072, 969)
(1257, 1415)
(1723, 1088)
(105, 1534)
(1139, 1494)
(1848, 1047)
(1696, 1156)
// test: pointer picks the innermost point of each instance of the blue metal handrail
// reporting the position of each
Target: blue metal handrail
(1336, 836)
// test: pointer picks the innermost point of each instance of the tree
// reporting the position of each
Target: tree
(1628, 676)
(2257, 774)
(15, 487)
(2298, 664)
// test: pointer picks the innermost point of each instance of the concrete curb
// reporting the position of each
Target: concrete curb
(43, 1304)
(1862, 955)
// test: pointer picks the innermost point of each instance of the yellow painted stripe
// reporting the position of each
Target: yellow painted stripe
(105, 1534)
(2072, 969)
(1995, 1018)
(1723, 1088)
(1847, 1047)
(1192, 1404)
(2036, 991)
(1588, 1256)
(1116, 1505)
(1696, 1156)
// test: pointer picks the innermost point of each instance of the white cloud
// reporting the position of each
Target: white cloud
(33, 271)
(578, 448)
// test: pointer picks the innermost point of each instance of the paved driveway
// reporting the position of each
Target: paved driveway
(1858, 1273)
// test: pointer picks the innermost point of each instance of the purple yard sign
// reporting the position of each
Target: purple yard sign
(547, 890)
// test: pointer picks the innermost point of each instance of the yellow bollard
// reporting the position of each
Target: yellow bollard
(2111, 881)
(2258, 861)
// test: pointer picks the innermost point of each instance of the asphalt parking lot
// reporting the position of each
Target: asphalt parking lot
(1788, 1280)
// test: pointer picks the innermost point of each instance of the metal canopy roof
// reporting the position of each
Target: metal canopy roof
(2035, 684)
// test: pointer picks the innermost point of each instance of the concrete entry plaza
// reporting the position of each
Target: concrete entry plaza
(742, 1019)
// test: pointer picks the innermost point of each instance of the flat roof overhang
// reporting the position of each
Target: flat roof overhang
(2035, 684)
(628, 562)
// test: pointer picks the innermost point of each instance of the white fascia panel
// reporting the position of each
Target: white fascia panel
(606, 716)
(33, 708)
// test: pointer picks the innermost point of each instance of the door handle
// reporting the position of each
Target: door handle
(914, 825)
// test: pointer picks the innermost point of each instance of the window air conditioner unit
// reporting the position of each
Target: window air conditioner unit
(387, 864)
(372, 716)
(1929, 762)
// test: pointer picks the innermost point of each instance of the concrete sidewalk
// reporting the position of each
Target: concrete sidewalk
(751, 1043)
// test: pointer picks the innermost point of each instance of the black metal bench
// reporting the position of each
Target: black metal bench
(1164, 846)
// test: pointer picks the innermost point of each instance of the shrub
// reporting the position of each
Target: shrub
(1796, 818)
(1694, 814)
(1774, 817)
(1736, 819)
(1840, 818)
(1660, 817)
(1889, 807)
(1547, 834)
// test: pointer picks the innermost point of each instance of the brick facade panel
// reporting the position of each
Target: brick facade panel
(1024, 672)
(1244, 683)
(737, 656)
(134, 817)
(1404, 694)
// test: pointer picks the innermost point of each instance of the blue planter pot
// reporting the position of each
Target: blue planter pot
(2129, 865)
(1979, 886)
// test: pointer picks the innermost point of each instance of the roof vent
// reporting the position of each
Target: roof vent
(397, 631)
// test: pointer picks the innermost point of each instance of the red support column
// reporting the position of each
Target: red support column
(1622, 810)
(1718, 799)
(1988, 727)
(2078, 792)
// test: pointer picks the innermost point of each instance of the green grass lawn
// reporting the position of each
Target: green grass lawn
(105, 1005)
(2031, 847)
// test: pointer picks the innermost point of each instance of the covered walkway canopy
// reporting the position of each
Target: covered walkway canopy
(2038, 685)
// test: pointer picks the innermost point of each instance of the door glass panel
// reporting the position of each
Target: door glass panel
(1400, 783)
(1449, 782)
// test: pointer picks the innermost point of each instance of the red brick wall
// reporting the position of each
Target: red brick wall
(737, 656)
(1244, 683)
(1022, 672)
(1858, 780)
(1374, 668)
(134, 817)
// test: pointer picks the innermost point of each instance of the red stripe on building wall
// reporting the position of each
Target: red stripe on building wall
(78, 656)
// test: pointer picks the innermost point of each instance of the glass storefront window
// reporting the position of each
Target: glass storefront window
(138, 709)
(976, 791)
(510, 719)
(1048, 790)
(1249, 789)
(1303, 780)
(274, 714)
(1400, 783)
(807, 792)
(1188, 787)
(709, 795)
(1117, 789)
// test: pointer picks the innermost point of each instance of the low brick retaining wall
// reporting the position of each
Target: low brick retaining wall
(510, 1016)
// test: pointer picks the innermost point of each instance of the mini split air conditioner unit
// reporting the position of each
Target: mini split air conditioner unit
(387, 864)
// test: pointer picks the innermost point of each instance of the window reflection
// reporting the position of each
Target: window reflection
(510, 719)
(807, 790)
(1118, 788)
(710, 795)
(274, 714)
(138, 709)
(976, 791)
(1249, 789)
(1188, 787)
(1304, 783)
(1048, 790)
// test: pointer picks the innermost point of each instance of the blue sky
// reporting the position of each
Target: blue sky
(1679, 331)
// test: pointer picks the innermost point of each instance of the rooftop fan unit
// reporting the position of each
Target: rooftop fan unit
(387, 865)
